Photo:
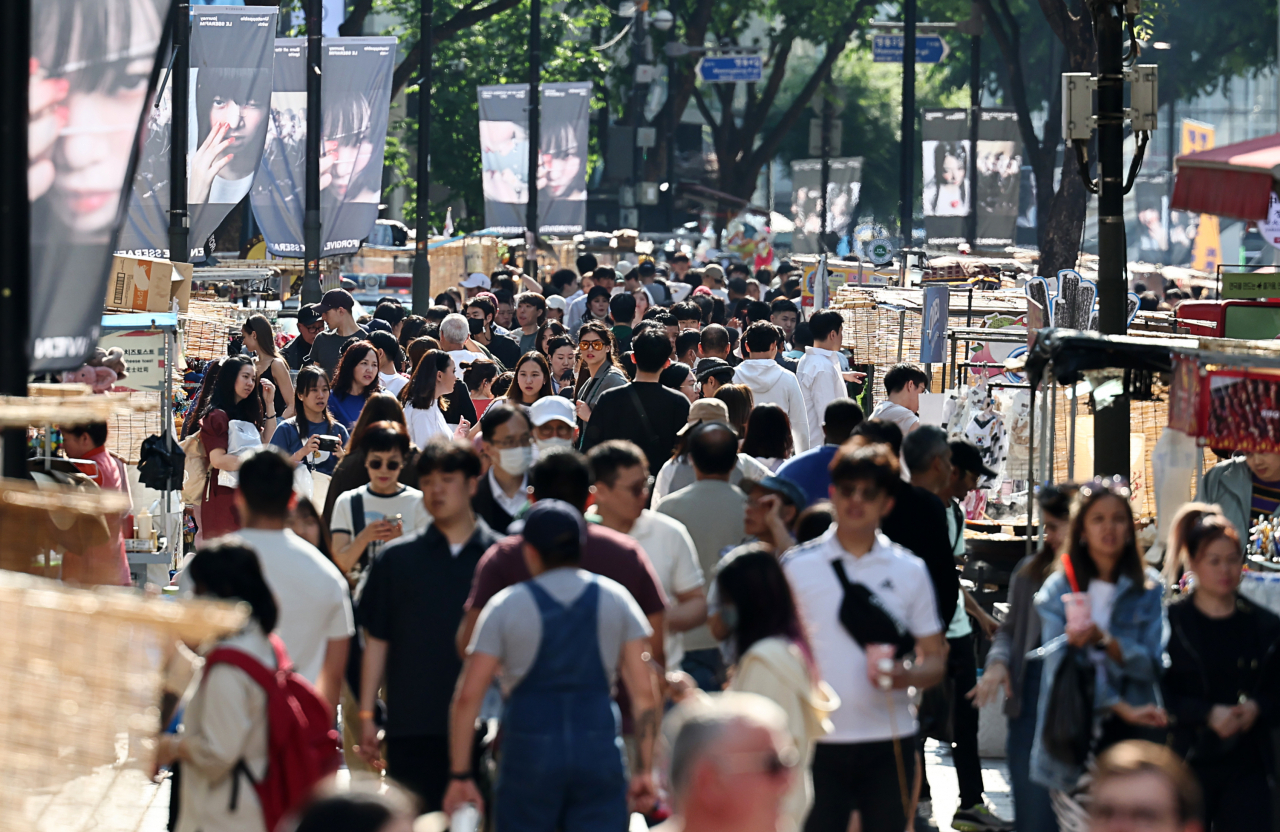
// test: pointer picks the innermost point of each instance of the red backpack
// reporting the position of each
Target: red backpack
(302, 746)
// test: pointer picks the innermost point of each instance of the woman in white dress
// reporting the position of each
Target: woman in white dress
(435, 376)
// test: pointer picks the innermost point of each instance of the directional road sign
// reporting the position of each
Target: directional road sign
(930, 49)
(729, 69)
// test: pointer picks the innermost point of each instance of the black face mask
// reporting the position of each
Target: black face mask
(475, 325)
(867, 620)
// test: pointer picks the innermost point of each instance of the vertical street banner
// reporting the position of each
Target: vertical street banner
(999, 177)
(91, 61)
(355, 103)
(844, 184)
(227, 107)
(949, 198)
(1206, 250)
(933, 337)
(561, 177)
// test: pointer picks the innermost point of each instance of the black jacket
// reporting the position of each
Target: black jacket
(1186, 682)
(488, 508)
(919, 522)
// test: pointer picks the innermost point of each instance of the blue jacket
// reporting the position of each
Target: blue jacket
(1138, 624)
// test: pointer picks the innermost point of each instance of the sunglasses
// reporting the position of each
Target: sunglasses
(639, 489)
(590, 346)
(866, 493)
(376, 465)
(772, 763)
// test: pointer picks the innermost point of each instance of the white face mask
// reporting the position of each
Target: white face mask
(544, 445)
(515, 461)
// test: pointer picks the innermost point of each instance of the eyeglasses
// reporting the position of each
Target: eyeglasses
(591, 346)
(508, 444)
(376, 465)
(866, 493)
(641, 488)
(772, 763)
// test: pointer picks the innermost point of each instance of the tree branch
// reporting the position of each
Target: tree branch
(1009, 51)
(465, 18)
(354, 24)
(777, 68)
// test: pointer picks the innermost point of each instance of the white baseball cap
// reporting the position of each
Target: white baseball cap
(476, 280)
(557, 302)
(551, 409)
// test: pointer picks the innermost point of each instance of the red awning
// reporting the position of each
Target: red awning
(1234, 180)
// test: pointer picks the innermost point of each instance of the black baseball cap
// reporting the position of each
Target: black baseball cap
(337, 299)
(309, 315)
(647, 269)
(554, 526)
(708, 367)
(966, 456)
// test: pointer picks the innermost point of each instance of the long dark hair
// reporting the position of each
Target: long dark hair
(192, 423)
(1130, 561)
(753, 582)
(514, 393)
(611, 347)
(345, 375)
(768, 433)
(740, 402)
(555, 328)
(230, 569)
(1054, 501)
(1195, 526)
(381, 407)
(224, 392)
(261, 329)
(306, 508)
(309, 377)
(420, 392)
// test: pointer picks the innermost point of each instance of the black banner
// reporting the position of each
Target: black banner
(504, 154)
(227, 105)
(844, 183)
(91, 61)
(355, 100)
(948, 193)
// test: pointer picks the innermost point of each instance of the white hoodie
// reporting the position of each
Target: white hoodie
(772, 383)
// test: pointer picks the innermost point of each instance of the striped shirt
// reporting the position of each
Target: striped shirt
(1266, 497)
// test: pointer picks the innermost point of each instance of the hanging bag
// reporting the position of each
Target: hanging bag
(1068, 717)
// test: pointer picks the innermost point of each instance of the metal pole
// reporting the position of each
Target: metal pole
(907, 171)
(1071, 441)
(828, 112)
(421, 262)
(311, 219)
(1031, 469)
(639, 91)
(1111, 442)
(15, 231)
(179, 219)
(975, 116)
(535, 137)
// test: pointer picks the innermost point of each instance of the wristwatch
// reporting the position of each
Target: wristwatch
(460, 775)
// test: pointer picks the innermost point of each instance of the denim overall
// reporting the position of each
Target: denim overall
(562, 759)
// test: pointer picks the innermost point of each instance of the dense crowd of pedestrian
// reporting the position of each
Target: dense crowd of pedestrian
(505, 537)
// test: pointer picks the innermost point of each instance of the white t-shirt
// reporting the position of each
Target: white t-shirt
(315, 606)
(675, 559)
(407, 502)
(393, 382)
(425, 424)
(896, 413)
(1102, 597)
(461, 357)
(901, 581)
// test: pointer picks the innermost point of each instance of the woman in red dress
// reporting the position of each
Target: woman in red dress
(238, 394)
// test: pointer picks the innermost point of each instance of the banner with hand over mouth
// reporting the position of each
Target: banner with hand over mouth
(227, 107)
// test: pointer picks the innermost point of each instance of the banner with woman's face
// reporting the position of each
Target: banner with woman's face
(355, 103)
(91, 61)
(227, 108)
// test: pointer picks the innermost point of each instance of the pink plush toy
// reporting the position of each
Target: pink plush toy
(103, 370)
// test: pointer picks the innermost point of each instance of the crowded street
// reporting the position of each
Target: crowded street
(691, 418)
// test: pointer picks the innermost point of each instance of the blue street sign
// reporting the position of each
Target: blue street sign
(731, 69)
(930, 49)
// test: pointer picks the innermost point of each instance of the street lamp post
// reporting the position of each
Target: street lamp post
(907, 162)
(311, 219)
(535, 137)
(179, 220)
(421, 262)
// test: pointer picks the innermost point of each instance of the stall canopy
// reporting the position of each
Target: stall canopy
(1234, 180)
(1072, 352)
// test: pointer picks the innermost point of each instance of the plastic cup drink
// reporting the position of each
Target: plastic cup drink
(880, 665)
(465, 818)
(1079, 613)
